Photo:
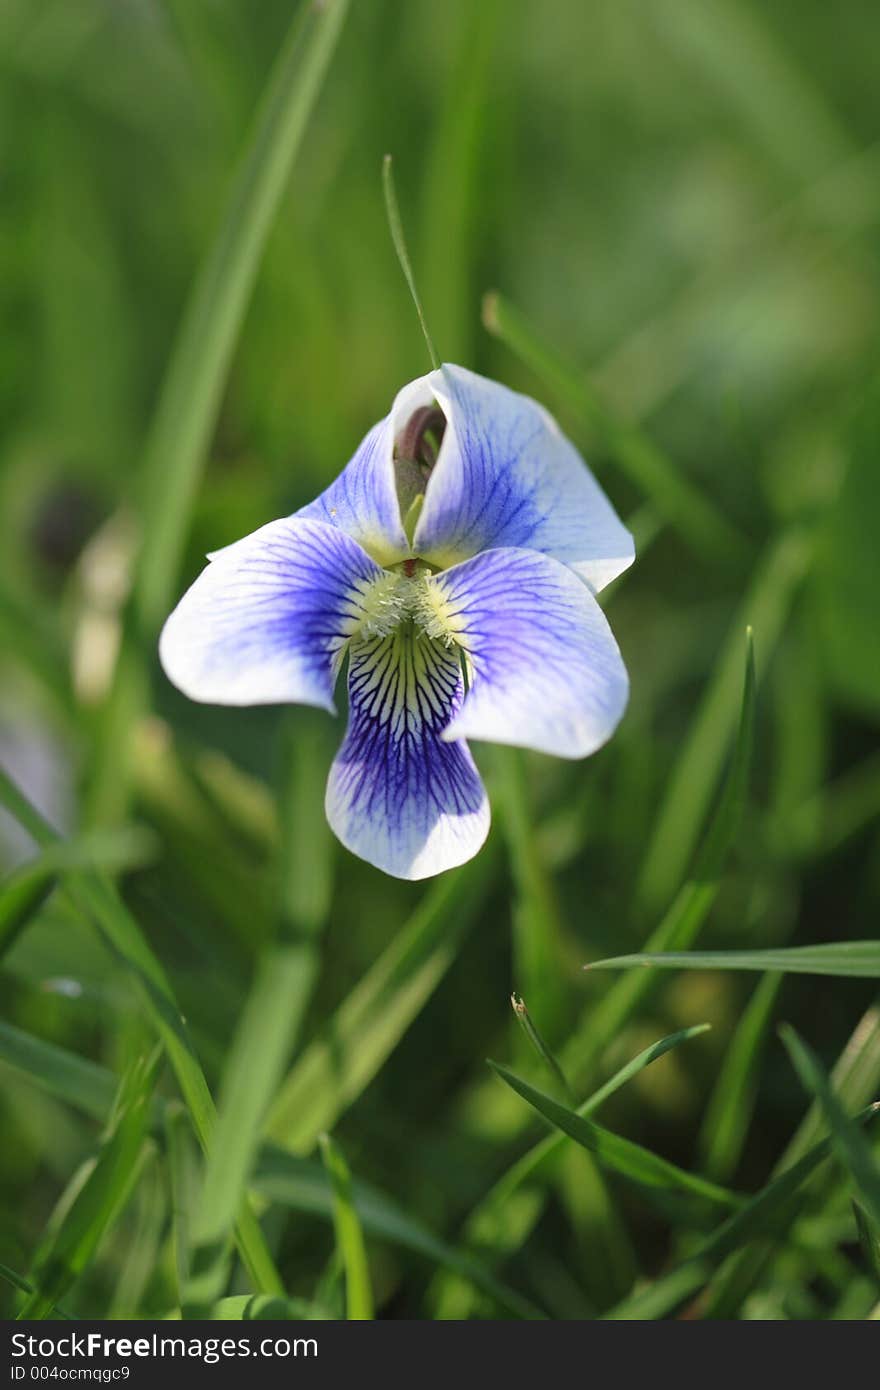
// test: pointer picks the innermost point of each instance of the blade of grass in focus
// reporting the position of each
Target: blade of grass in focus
(96, 1195)
(853, 1150)
(766, 1212)
(100, 904)
(349, 1236)
(855, 1078)
(498, 1225)
(677, 500)
(860, 959)
(621, 1155)
(732, 1101)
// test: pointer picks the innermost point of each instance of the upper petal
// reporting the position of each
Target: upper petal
(267, 620)
(397, 795)
(546, 671)
(363, 499)
(507, 476)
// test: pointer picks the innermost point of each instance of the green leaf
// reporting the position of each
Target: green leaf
(613, 1151)
(303, 1185)
(850, 958)
(851, 1147)
(351, 1047)
(349, 1236)
(96, 1196)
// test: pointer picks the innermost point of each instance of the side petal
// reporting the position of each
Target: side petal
(398, 796)
(507, 476)
(267, 621)
(546, 671)
(363, 500)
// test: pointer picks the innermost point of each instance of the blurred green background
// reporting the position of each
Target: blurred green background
(679, 203)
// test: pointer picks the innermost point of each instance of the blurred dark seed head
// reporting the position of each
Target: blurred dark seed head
(63, 520)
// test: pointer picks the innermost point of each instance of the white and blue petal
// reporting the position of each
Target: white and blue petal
(267, 621)
(399, 795)
(363, 500)
(507, 476)
(545, 670)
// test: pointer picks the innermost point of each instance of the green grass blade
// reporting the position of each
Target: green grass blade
(859, 959)
(303, 1185)
(683, 920)
(96, 1197)
(255, 1062)
(498, 1225)
(99, 903)
(23, 892)
(732, 1100)
(621, 1155)
(538, 957)
(351, 1047)
(190, 396)
(395, 226)
(349, 1235)
(851, 1147)
(183, 1169)
(765, 608)
(61, 1073)
(246, 1307)
(855, 1077)
(143, 1246)
(676, 499)
(527, 1023)
(769, 1211)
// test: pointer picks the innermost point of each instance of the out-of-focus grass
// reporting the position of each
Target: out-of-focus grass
(676, 208)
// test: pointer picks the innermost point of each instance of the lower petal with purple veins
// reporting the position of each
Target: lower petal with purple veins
(398, 795)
